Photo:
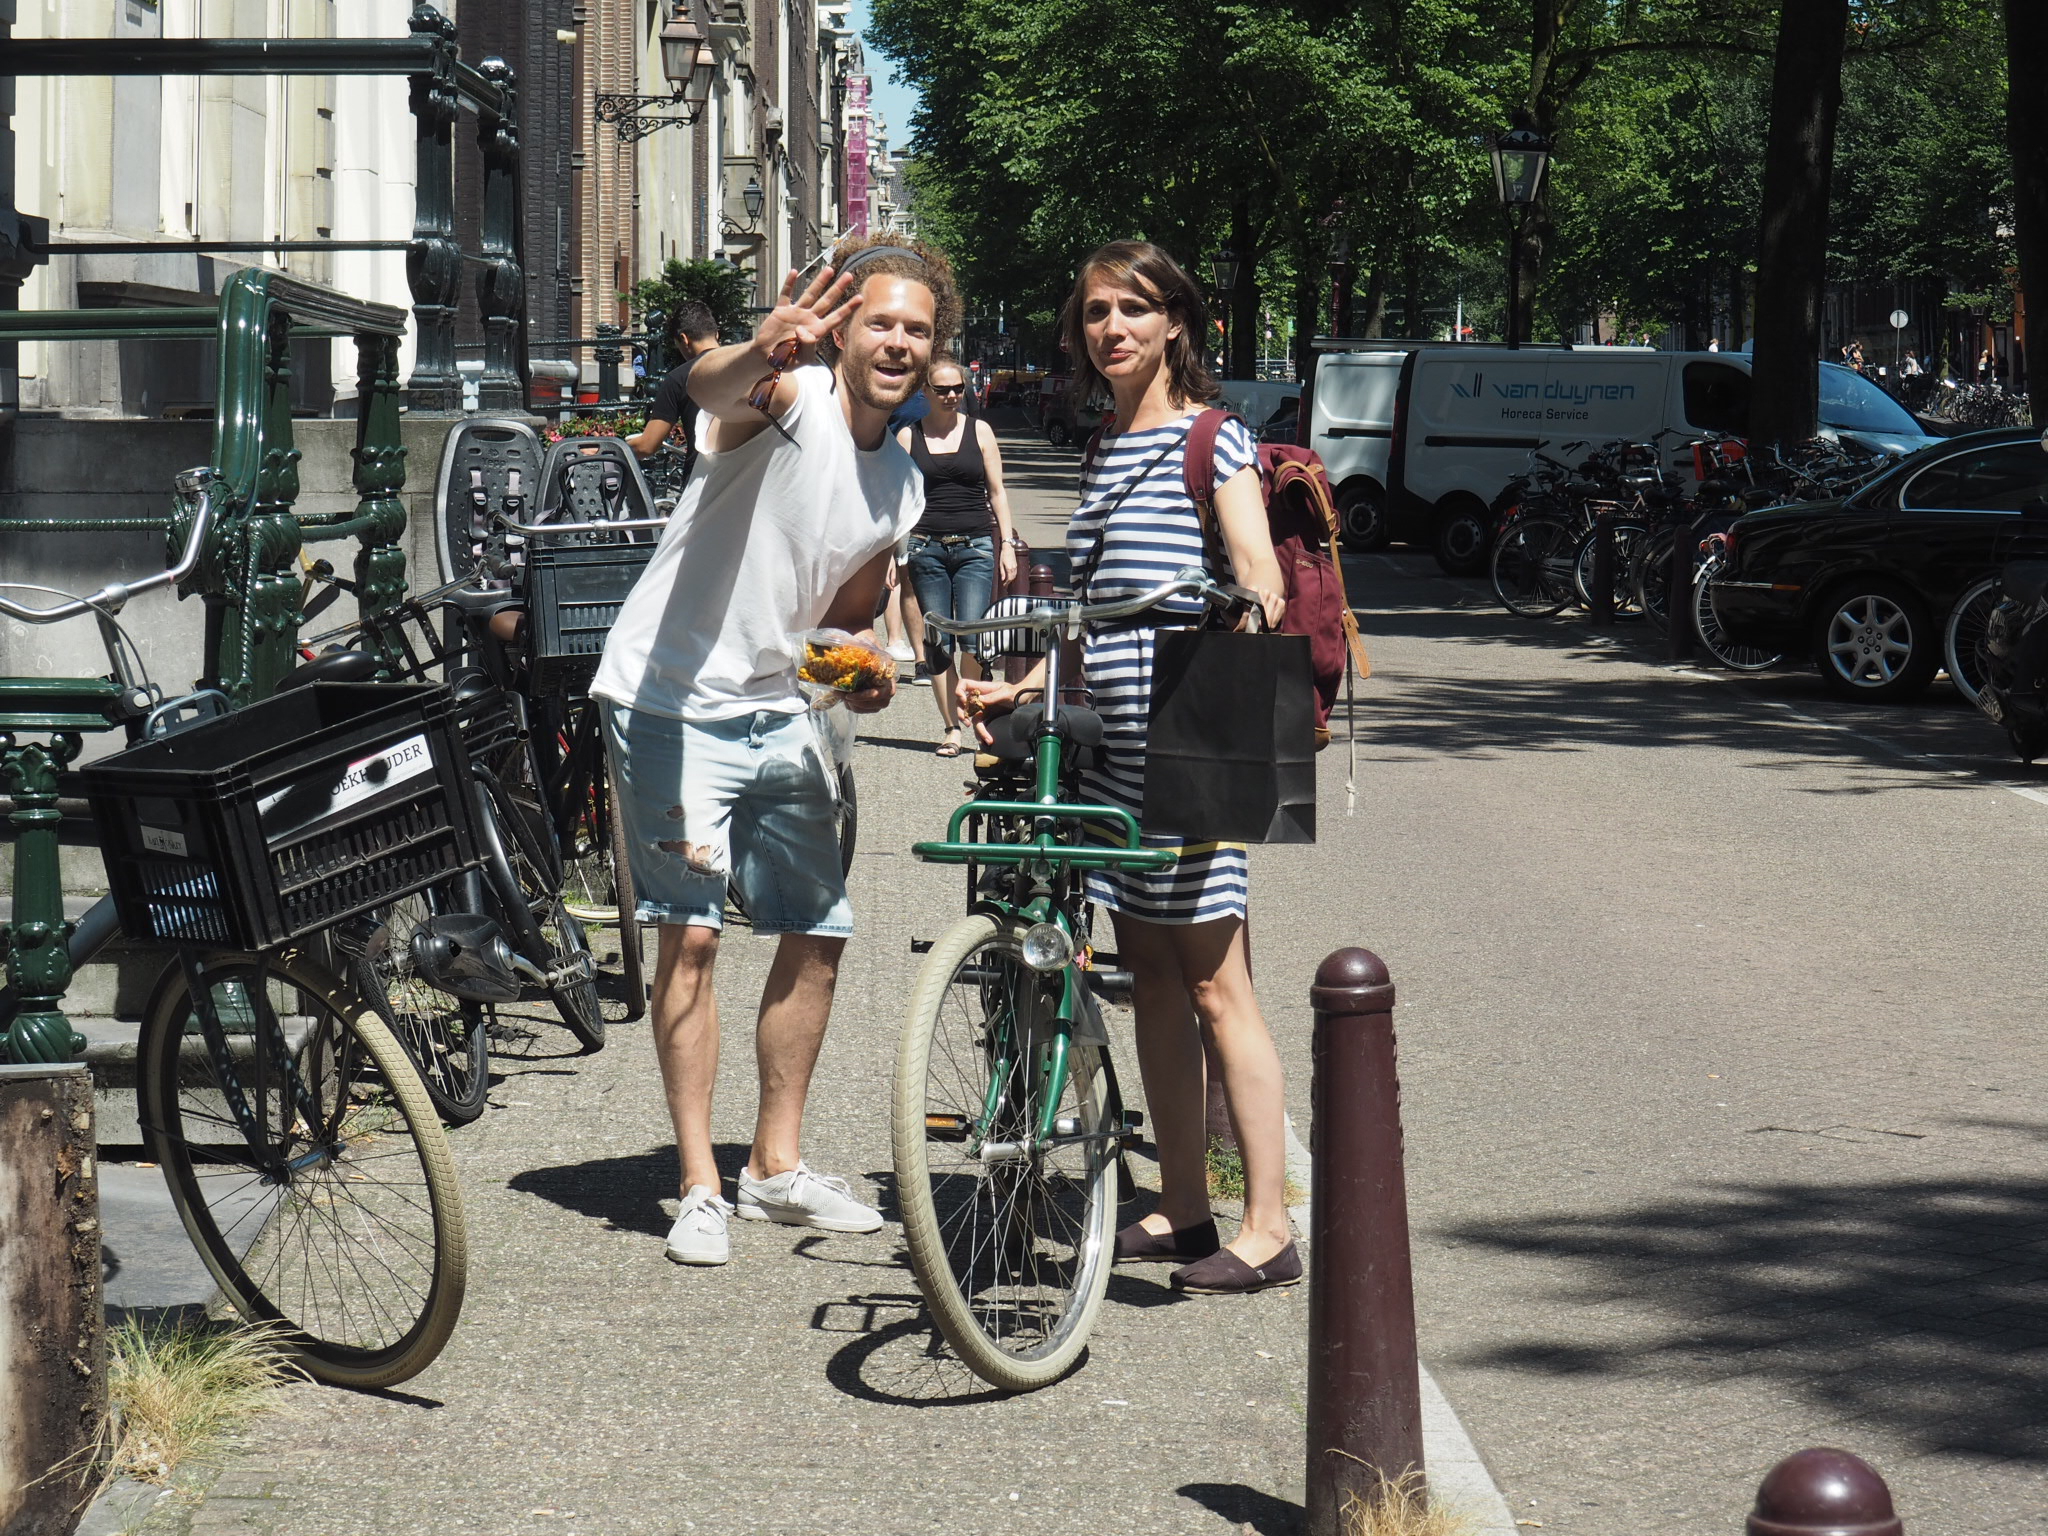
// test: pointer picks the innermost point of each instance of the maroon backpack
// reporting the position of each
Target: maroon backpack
(1303, 518)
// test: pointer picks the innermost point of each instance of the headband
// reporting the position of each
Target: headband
(870, 252)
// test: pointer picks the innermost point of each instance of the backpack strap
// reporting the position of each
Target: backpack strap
(1198, 469)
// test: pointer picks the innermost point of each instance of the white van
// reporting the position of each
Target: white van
(1419, 441)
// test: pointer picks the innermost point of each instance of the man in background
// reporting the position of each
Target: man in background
(695, 333)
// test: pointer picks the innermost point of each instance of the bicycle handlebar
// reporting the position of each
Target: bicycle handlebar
(622, 525)
(196, 485)
(1064, 616)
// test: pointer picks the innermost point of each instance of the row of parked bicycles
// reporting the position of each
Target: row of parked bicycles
(1594, 529)
(367, 882)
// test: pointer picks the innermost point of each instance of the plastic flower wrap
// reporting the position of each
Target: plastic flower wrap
(833, 664)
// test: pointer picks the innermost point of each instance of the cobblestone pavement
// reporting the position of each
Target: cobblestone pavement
(1725, 1117)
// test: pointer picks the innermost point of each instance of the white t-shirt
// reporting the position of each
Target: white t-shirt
(763, 539)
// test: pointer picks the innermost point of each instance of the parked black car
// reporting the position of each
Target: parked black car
(1866, 585)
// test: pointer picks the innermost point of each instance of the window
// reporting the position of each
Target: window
(1717, 397)
(2002, 478)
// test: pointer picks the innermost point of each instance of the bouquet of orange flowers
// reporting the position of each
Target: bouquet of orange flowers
(832, 664)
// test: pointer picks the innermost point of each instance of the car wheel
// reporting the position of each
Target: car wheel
(1362, 514)
(1463, 535)
(1057, 434)
(1873, 640)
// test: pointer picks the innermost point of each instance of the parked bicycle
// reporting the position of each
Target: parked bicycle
(1008, 1123)
(299, 1146)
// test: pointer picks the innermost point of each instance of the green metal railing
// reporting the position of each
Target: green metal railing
(247, 574)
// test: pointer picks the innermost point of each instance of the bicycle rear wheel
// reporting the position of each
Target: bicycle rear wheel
(327, 1204)
(444, 1036)
(1962, 648)
(1011, 1241)
(542, 925)
(1628, 537)
(1532, 567)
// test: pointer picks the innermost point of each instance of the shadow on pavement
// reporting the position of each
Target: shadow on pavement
(1921, 1306)
(1493, 716)
(625, 1191)
(896, 1356)
(1247, 1507)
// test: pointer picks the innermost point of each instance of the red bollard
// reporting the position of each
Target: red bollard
(1823, 1492)
(1364, 1388)
(1032, 581)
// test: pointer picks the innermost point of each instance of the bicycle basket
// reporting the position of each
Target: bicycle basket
(573, 595)
(284, 818)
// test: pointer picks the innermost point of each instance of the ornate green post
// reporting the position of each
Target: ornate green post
(433, 266)
(500, 284)
(38, 964)
(379, 475)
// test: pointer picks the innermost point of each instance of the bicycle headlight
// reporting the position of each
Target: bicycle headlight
(1047, 948)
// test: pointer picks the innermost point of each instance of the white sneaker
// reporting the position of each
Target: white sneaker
(902, 651)
(801, 1198)
(698, 1237)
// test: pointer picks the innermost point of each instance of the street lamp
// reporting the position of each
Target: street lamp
(753, 199)
(1519, 158)
(1342, 270)
(690, 68)
(1223, 268)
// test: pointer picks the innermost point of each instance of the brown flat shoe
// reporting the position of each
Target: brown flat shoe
(1223, 1273)
(1135, 1245)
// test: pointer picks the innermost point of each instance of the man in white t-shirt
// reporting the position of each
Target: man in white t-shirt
(788, 524)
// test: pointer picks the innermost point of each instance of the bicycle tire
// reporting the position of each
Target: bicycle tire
(632, 962)
(401, 1223)
(1962, 638)
(847, 809)
(1707, 624)
(1649, 575)
(542, 926)
(1626, 537)
(445, 1037)
(1012, 1254)
(1531, 567)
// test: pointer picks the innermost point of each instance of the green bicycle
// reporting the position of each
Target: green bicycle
(1008, 1125)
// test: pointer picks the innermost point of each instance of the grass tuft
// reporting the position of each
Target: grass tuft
(1400, 1506)
(177, 1390)
(1226, 1175)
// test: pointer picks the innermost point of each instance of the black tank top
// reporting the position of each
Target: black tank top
(955, 485)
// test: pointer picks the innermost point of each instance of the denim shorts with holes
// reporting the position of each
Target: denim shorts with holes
(747, 799)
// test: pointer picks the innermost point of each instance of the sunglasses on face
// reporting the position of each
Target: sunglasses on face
(949, 389)
(762, 396)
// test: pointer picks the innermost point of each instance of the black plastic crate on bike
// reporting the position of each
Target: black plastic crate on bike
(284, 818)
(573, 594)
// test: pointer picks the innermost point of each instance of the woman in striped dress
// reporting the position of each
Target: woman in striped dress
(1135, 321)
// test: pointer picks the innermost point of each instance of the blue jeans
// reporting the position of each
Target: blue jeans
(751, 799)
(953, 580)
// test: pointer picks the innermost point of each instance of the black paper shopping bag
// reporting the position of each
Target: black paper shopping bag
(1230, 752)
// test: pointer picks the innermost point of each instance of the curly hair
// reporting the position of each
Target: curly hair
(920, 262)
(1147, 270)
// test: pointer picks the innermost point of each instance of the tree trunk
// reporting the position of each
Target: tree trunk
(1375, 304)
(1244, 298)
(1791, 268)
(2026, 132)
(1308, 304)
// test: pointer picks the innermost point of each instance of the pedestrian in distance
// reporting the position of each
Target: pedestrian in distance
(960, 549)
(1909, 367)
(799, 502)
(693, 331)
(1135, 322)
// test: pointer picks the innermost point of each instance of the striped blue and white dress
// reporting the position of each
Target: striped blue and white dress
(1153, 534)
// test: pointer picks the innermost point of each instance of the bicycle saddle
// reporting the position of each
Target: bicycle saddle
(1015, 734)
(332, 667)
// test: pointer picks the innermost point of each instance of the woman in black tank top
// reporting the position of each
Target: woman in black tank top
(960, 549)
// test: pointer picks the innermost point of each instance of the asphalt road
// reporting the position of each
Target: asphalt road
(1725, 1128)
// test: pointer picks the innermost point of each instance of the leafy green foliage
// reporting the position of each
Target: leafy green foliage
(1049, 126)
(725, 289)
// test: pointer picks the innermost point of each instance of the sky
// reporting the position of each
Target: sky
(893, 103)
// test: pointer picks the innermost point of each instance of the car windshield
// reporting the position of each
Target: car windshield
(1847, 399)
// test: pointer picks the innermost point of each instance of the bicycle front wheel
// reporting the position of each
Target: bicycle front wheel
(307, 1163)
(1011, 1233)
